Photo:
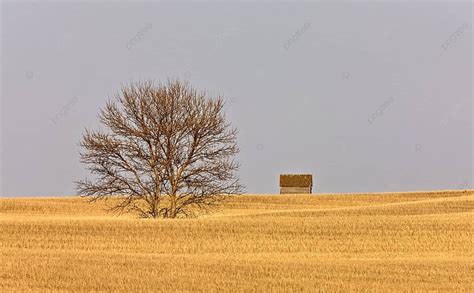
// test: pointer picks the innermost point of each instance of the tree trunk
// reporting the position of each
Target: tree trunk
(172, 213)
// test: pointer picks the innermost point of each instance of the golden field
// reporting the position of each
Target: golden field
(361, 242)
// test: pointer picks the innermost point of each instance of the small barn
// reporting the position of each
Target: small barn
(296, 183)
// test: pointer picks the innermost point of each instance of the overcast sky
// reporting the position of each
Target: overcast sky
(365, 96)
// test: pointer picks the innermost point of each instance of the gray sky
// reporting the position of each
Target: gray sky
(366, 96)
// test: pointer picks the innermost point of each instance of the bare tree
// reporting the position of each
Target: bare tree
(167, 151)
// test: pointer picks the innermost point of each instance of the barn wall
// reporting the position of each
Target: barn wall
(295, 190)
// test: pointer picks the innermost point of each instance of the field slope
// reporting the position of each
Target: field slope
(363, 242)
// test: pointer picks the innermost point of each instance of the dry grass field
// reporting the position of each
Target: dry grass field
(361, 242)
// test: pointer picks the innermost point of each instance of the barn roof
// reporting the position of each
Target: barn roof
(296, 180)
